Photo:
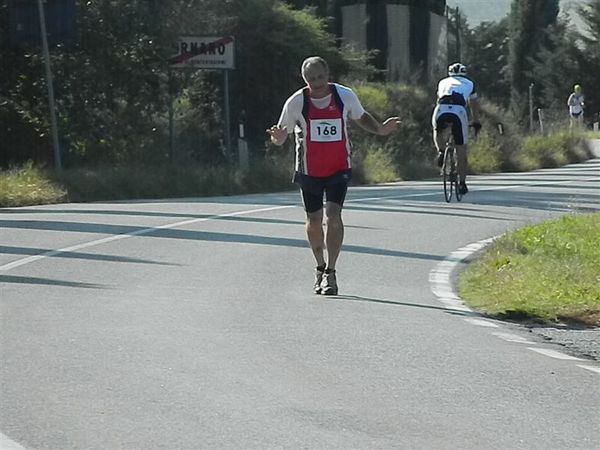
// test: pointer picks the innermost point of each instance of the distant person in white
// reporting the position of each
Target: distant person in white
(455, 94)
(576, 104)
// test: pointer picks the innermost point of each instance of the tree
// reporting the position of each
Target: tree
(486, 55)
(571, 57)
(529, 22)
(590, 13)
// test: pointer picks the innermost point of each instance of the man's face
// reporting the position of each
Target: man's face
(578, 89)
(316, 76)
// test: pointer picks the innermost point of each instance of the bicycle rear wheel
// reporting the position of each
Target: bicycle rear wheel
(447, 174)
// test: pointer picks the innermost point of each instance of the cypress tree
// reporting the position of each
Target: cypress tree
(529, 21)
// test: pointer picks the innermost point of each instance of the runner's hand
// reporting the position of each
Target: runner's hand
(277, 133)
(389, 126)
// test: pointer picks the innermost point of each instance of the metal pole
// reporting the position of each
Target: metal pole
(171, 114)
(458, 43)
(57, 161)
(227, 126)
(531, 107)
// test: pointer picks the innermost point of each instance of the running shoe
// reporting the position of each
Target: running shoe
(329, 283)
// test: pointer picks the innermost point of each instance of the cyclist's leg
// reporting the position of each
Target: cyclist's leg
(460, 129)
(461, 153)
(439, 134)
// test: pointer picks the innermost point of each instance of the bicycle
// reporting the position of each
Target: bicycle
(450, 171)
(450, 166)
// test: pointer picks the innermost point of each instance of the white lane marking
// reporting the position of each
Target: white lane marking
(30, 259)
(481, 322)
(592, 368)
(7, 444)
(509, 337)
(139, 232)
(554, 354)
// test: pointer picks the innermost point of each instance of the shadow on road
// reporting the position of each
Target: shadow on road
(8, 250)
(357, 298)
(104, 229)
(48, 282)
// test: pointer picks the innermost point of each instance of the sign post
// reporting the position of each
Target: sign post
(208, 52)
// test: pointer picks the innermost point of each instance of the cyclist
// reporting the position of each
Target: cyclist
(317, 114)
(455, 94)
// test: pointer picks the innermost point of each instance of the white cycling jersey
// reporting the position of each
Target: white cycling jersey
(456, 85)
(453, 95)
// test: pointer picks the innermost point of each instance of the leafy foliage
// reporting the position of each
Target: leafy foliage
(112, 86)
(486, 54)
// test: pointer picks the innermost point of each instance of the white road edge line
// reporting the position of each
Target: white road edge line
(592, 368)
(441, 286)
(8, 444)
(509, 337)
(554, 354)
(439, 279)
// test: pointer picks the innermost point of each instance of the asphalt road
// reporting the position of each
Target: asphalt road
(191, 323)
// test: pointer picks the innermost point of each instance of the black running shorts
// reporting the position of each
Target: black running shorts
(313, 188)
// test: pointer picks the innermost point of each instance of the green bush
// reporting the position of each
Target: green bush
(485, 154)
(373, 98)
(408, 153)
(554, 150)
(378, 167)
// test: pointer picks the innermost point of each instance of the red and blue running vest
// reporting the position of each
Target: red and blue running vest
(326, 146)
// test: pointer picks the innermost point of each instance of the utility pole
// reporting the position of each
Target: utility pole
(55, 144)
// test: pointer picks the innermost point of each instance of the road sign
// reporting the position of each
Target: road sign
(204, 52)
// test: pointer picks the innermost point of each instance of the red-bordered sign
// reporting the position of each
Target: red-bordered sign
(204, 52)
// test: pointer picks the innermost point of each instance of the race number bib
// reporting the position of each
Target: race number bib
(326, 130)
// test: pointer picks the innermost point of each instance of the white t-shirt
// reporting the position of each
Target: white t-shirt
(291, 115)
(575, 102)
(456, 85)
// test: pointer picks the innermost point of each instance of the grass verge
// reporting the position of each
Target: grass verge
(28, 185)
(547, 272)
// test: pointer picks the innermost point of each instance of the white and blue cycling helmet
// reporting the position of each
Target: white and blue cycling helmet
(457, 69)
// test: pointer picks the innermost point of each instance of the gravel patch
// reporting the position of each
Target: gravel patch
(580, 343)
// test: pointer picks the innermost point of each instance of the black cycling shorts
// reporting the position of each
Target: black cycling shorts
(449, 119)
(313, 188)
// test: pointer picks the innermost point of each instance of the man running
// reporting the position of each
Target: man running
(318, 115)
(455, 94)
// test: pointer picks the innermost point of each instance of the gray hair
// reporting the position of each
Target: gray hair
(314, 60)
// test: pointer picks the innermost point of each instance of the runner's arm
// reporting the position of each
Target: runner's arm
(368, 123)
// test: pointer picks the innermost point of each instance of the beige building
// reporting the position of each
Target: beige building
(411, 35)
